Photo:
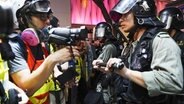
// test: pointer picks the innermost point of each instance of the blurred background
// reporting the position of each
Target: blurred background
(85, 12)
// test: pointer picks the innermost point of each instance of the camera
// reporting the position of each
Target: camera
(67, 36)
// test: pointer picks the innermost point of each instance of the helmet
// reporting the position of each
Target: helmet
(143, 10)
(31, 7)
(36, 6)
(103, 30)
(172, 17)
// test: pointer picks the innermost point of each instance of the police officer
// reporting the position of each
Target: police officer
(174, 20)
(106, 41)
(155, 68)
(109, 48)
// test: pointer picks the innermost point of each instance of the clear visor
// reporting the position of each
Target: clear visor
(167, 19)
(41, 6)
(124, 6)
(100, 32)
(163, 18)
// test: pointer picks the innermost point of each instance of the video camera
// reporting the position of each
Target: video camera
(67, 36)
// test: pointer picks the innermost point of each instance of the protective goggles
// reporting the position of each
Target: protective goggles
(43, 16)
(42, 6)
(122, 7)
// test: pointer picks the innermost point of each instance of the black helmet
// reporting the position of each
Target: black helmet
(36, 6)
(143, 10)
(29, 8)
(172, 17)
(103, 30)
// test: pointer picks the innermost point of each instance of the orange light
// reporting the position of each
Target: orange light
(84, 3)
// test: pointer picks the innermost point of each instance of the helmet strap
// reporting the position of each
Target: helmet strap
(133, 30)
(132, 33)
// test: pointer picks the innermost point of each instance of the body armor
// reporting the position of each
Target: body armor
(141, 61)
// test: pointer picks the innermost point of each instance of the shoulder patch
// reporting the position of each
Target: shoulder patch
(163, 35)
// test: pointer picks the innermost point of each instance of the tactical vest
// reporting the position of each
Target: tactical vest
(141, 61)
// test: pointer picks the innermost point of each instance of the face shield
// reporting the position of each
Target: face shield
(100, 32)
(41, 6)
(167, 19)
(122, 7)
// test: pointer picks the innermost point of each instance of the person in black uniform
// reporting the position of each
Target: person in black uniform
(155, 70)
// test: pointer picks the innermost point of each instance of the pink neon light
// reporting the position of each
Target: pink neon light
(89, 13)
